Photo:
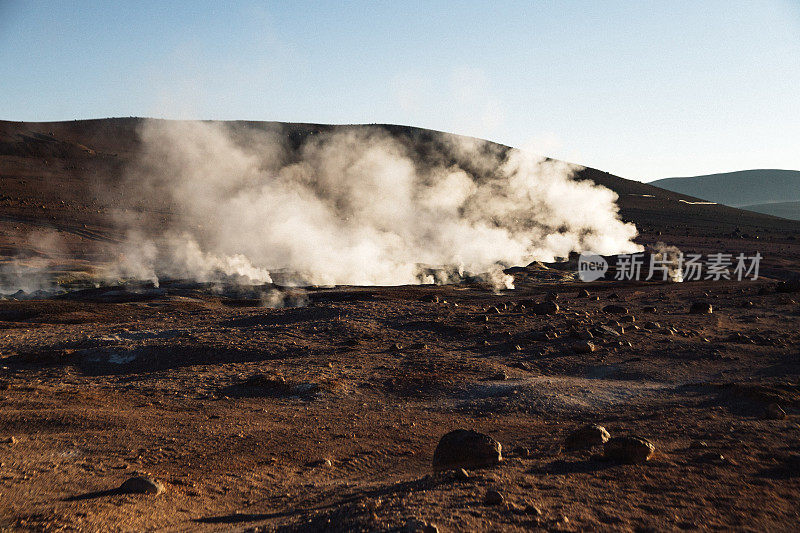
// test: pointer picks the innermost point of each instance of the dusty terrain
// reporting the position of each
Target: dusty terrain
(325, 415)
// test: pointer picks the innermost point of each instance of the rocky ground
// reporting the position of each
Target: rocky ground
(326, 416)
(193, 407)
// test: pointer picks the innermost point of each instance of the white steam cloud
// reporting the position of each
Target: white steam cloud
(356, 206)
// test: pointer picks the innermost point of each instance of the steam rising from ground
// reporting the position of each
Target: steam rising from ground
(357, 206)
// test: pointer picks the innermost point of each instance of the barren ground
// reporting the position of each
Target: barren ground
(103, 384)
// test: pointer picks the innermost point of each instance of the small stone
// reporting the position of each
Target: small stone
(583, 293)
(545, 308)
(627, 319)
(521, 451)
(615, 309)
(533, 510)
(463, 448)
(584, 347)
(586, 437)
(651, 325)
(323, 463)
(775, 412)
(11, 440)
(461, 474)
(649, 309)
(631, 449)
(493, 497)
(700, 308)
(141, 485)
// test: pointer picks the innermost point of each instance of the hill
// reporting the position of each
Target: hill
(739, 189)
(790, 210)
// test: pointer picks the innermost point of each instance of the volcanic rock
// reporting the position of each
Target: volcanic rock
(493, 497)
(631, 449)
(700, 308)
(463, 448)
(545, 308)
(586, 437)
(583, 347)
(141, 485)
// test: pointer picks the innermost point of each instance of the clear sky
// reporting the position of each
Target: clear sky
(638, 88)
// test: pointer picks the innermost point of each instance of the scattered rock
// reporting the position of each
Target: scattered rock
(545, 308)
(649, 309)
(584, 347)
(586, 437)
(521, 451)
(627, 319)
(464, 448)
(631, 449)
(700, 308)
(775, 412)
(322, 463)
(493, 497)
(748, 304)
(583, 293)
(141, 485)
(461, 474)
(533, 510)
(430, 298)
(11, 440)
(615, 309)
(551, 296)
(418, 526)
(651, 325)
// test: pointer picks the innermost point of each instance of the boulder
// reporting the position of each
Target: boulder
(141, 485)
(464, 448)
(629, 449)
(701, 308)
(545, 308)
(586, 437)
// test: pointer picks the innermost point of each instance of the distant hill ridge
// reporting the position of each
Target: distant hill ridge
(739, 189)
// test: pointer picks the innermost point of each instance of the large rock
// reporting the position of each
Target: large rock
(586, 437)
(464, 448)
(701, 308)
(631, 449)
(545, 308)
(141, 485)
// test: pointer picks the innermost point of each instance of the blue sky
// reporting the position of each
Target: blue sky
(641, 89)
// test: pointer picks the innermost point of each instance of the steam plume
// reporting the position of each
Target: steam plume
(356, 206)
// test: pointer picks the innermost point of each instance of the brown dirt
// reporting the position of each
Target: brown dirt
(95, 388)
